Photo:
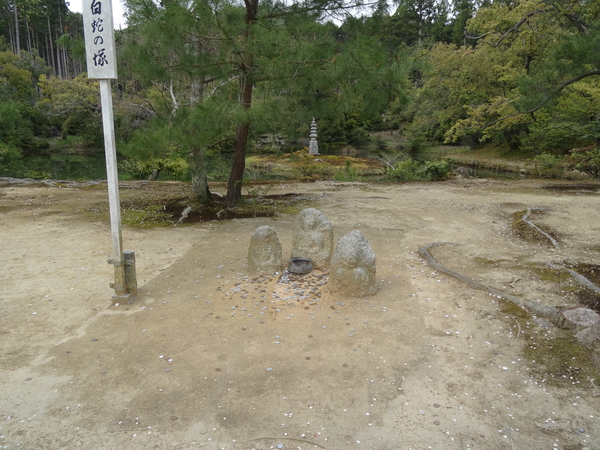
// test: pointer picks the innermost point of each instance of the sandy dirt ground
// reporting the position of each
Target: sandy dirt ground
(209, 358)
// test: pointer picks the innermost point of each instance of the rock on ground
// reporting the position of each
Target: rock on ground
(353, 266)
(264, 252)
(313, 238)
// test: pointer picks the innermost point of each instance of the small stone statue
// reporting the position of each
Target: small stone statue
(264, 253)
(353, 266)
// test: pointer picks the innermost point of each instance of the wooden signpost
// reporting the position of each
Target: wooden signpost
(102, 65)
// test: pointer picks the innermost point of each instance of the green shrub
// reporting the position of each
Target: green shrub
(415, 145)
(308, 166)
(37, 175)
(381, 144)
(142, 169)
(346, 173)
(548, 165)
(407, 170)
(411, 170)
(437, 170)
(585, 160)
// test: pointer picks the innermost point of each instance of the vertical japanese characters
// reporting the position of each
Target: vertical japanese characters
(99, 39)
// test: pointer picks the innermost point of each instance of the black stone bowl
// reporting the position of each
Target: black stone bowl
(300, 265)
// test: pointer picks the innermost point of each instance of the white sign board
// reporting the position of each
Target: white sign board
(99, 39)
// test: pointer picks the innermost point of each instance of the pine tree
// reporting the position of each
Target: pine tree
(241, 48)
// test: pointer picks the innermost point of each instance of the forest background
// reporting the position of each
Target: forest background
(204, 84)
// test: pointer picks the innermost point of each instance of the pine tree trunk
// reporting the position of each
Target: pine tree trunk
(234, 186)
(200, 190)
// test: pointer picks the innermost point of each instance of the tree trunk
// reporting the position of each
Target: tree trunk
(234, 186)
(12, 38)
(51, 45)
(17, 43)
(200, 190)
(59, 64)
(27, 31)
(63, 51)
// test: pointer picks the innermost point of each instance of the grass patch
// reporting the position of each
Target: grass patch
(550, 274)
(301, 164)
(147, 216)
(560, 360)
(161, 204)
(553, 357)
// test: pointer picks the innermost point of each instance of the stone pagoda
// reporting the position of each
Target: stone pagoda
(313, 148)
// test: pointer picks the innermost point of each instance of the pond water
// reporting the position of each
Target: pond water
(58, 167)
(478, 172)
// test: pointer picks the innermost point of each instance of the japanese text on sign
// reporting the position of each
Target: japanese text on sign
(99, 39)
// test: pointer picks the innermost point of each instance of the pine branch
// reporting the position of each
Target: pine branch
(515, 28)
(546, 99)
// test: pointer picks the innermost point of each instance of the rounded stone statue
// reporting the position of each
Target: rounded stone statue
(313, 238)
(264, 253)
(353, 266)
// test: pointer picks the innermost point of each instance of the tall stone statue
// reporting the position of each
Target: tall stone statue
(313, 147)
(313, 238)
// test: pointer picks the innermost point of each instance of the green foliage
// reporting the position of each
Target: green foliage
(307, 166)
(529, 56)
(411, 170)
(437, 170)
(8, 154)
(9, 117)
(415, 144)
(417, 22)
(381, 144)
(37, 175)
(347, 173)
(16, 78)
(407, 170)
(548, 165)
(72, 106)
(586, 160)
(217, 168)
(177, 167)
(578, 164)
